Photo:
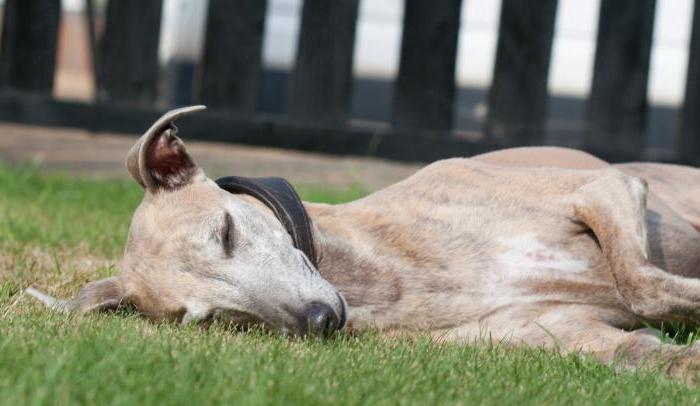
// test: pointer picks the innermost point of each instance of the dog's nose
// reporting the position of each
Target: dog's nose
(321, 319)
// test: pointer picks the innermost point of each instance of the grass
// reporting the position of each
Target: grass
(59, 232)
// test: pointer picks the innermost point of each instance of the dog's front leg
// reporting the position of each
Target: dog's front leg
(638, 349)
(644, 349)
(568, 329)
(613, 206)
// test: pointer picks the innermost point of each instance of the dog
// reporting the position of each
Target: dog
(535, 246)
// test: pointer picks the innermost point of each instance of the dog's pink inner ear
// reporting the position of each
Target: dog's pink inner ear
(167, 161)
(159, 160)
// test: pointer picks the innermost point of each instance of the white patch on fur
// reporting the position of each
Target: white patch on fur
(526, 255)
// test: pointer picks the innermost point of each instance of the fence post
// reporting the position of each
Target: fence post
(29, 38)
(688, 142)
(321, 81)
(425, 86)
(617, 106)
(128, 65)
(518, 95)
(231, 62)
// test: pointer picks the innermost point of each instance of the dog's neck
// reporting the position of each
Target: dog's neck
(351, 259)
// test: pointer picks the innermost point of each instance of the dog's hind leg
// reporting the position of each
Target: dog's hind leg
(613, 207)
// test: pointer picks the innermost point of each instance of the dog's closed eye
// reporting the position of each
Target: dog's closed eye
(227, 235)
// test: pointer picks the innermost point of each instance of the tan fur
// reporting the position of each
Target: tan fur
(536, 246)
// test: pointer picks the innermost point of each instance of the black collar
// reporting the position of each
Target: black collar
(280, 197)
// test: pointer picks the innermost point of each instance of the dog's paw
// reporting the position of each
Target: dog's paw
(685, 365)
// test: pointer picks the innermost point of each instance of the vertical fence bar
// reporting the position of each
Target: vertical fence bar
(425, 86)
(321, 82)
(29, 39)
(688, 142)
(128, 57)
(230, 73)
(90, 17)
(617, 106)
(518, 96)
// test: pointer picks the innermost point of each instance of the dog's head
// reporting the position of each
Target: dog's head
(196, 252)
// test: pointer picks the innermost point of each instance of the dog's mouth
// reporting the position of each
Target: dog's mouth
(316, 319)
(343, 311)
(237, 320)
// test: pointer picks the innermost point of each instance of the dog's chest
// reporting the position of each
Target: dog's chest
(525, 268)
(527, 255)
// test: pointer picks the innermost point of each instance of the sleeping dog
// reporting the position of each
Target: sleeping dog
(533, 246)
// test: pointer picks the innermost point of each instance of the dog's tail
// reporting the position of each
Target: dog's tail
(52, 302)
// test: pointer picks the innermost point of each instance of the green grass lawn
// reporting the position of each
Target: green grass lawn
(58, 233)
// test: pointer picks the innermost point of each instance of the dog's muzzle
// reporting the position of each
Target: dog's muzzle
(321, 320)
(278, 195)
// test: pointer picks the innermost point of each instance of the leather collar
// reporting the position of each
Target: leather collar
(283, 200)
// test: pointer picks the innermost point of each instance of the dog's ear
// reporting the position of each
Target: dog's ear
(105, 294)
(159, 160)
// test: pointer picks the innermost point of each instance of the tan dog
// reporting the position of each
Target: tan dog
(535, 246)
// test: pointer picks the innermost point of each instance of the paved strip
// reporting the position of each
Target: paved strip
(81, 153)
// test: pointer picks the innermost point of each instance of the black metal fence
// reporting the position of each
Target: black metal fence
(319, 88)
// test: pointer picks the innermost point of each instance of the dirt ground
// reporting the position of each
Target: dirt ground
(83, 153)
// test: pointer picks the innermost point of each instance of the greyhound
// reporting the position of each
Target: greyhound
(535, 246)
